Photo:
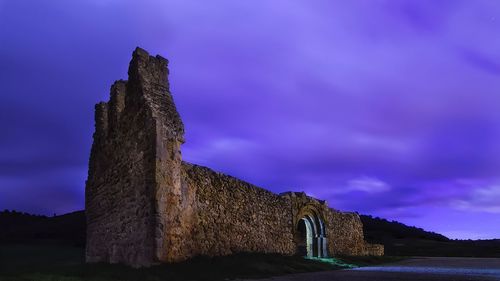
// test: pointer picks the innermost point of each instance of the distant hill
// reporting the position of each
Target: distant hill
(398, 239)
(402, 240)
(379, 229)
(23, 227)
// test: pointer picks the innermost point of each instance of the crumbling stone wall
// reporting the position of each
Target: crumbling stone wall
(133, 187)
(344, 231)
(234, 216)
(119, 186)
(145, 206)
(373, 249)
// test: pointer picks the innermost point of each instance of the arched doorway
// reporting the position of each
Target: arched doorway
(310, 236)
(305, 238)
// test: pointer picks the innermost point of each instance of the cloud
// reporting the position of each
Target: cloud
(309, 97)
(482, 62)
(366, 184)
(57, 190)
(211, 150)
(486, 199)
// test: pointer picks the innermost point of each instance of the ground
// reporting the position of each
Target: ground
(415, 269)
(62, 262)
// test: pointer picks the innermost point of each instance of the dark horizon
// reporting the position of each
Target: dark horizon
(387, 109)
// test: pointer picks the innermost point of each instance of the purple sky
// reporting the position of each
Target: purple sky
(389, 108)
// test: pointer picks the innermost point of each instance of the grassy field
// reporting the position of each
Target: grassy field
(62, 262)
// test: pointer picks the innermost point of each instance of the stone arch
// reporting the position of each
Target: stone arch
(310, 233)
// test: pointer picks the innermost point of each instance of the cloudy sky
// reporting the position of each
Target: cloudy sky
(389, 108)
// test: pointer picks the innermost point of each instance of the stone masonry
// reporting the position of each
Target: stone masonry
(144, 205)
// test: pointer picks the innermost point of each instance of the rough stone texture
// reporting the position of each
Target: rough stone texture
(133, 187)
(233, 216)
(145, 205)
(374, 249)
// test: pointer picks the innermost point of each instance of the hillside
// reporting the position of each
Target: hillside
(402, 240)
(378, 229)
(23, 227)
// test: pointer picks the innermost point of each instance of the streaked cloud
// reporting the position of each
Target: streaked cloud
(483, 199)
(368, 185)
(302, 95)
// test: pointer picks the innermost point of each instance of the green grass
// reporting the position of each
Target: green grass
(54, 262)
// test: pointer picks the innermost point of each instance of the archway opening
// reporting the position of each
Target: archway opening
(305, 238)
(310, 237)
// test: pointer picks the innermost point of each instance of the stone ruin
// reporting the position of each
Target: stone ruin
(145, 206)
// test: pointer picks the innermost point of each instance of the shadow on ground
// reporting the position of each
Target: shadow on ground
(56, 261)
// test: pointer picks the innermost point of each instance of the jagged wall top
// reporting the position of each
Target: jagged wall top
(147, 89)
(148, 82)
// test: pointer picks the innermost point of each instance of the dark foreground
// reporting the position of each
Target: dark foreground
(417, 269)
(61, 262)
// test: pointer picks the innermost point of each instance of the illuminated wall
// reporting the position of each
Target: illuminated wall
(144, 205)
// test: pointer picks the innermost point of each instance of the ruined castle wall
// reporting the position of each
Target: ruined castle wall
(145, 206)
(346, 237)
(119, 187)
(230, 216)
(346, 234)
(133, 187)
(344, 231)
(233, 216)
